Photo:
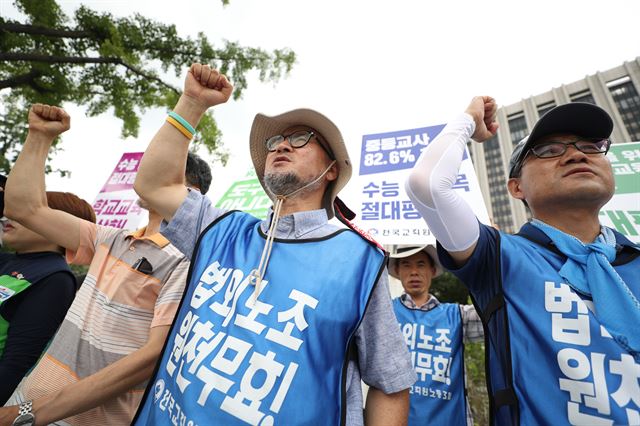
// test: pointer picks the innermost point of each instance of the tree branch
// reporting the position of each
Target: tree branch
(219, 57)
(50, 59)
(19, 80)
(13, 27)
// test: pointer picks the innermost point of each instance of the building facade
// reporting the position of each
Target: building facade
(616, 90)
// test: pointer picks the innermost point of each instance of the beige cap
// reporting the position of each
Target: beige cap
(264, 127)
(410, 251)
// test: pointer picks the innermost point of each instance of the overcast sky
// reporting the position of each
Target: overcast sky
(371, 66)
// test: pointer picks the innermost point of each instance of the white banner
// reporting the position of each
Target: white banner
(383, 208)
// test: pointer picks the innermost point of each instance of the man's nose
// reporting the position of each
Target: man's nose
(284, 145)
(573, 154)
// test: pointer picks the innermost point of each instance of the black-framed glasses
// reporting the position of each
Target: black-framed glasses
(296, 140)
(586, 145)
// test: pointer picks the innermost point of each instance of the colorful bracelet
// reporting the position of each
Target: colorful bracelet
(180, 127)
(182, 121)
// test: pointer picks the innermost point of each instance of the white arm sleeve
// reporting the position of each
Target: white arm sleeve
(430, 187)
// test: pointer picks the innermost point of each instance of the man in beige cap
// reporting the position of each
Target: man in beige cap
(435, 334)
(282, 317)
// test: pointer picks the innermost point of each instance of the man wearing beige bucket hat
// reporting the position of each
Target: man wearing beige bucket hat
(435, 334)
(283, 317)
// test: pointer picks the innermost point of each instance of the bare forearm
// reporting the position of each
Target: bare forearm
(164, 159)
(163, 164)
(386, 410)
(161, 174)
(25, 188)
(98, 388)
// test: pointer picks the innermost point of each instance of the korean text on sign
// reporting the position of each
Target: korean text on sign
(395, 150)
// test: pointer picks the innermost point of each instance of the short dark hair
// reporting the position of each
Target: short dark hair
(71, 204)
(198, 173)
(516, 173)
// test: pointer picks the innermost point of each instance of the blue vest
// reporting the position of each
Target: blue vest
(434, 339)
(232, 359)
(560, 365)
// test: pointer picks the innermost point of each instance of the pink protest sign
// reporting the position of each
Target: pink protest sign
(124, 174)
(115, 205)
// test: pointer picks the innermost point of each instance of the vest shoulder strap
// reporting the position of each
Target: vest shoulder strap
(624, 255)
(494, 317)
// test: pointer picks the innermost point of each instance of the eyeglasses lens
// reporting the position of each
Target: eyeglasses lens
(296, 140)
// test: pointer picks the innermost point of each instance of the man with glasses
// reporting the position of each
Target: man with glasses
(282, 317)
(559, 299)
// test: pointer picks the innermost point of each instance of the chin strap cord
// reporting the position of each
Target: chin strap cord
(258, 274)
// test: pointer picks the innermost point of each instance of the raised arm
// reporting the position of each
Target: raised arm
(430, 184)
(25, 196)
(160, 178)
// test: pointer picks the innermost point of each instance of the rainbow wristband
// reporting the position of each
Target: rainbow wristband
(182, 121)
(180, 127)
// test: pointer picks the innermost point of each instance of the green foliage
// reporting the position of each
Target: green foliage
(111, 64)
(79, 270)
(448, 288)
(476, 382)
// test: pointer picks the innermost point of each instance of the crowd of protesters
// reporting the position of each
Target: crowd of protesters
(214, 317)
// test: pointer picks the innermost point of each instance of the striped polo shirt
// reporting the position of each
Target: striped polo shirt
(111, 316)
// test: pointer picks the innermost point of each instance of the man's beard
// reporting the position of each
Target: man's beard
(286, 183)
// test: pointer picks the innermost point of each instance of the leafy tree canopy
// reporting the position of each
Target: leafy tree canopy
(448, 288)
(104, 62)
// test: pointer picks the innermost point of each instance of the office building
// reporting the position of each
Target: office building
(616, 90)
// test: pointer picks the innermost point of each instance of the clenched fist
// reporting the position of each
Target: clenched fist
(48, 120)
(206, 86)
(483, 110)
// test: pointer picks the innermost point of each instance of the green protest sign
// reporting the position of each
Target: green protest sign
(625, 161)
(247, 195)
(622, 212)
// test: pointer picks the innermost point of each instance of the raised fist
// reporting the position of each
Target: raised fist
(206, 86)
(48, 120)
(483, 110)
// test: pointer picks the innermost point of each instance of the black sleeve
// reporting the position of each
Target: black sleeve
(34, 316)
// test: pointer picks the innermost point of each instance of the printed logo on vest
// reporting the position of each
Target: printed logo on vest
(169, 405)
(158, 388)
(17, 275)
(5, 293)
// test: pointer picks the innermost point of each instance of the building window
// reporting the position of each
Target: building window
(497, 185)
(517, 127)
(584, 96)
(544, 108)
(627, 100)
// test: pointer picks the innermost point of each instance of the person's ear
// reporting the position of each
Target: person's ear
(333, 172)
(515, 188)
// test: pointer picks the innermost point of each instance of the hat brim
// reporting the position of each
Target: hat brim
(265, 126)
(410, 251)
(576, 118)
